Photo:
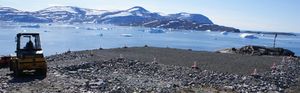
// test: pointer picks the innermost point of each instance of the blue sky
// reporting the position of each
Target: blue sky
(263, 15)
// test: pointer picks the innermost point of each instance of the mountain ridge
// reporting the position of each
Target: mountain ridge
(135, 16)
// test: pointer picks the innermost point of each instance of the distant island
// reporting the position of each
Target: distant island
(272, 33)
(135, 16)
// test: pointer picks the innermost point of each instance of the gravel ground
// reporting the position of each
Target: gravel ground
(135, 70)
(231, 63)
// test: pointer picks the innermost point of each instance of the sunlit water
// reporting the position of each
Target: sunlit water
(58, 38)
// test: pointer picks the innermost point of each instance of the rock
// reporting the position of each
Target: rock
(229, 51)
(97, 84)
(258, 50)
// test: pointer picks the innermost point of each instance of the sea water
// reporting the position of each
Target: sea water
(59, 38)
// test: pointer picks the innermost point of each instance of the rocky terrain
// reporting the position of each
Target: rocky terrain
(92, 71)
(258, 50)
(135, 16)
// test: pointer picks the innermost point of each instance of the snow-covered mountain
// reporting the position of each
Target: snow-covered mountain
(198, 18)
(135, 16)
(69, 9)
(14, 15)
(7, 10)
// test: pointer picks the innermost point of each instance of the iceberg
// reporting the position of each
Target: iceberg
(224, 33)
(249, 36)
(76, 27)
(126, 35)
(105, 28)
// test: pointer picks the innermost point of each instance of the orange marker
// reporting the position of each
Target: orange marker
(254, 73)
(194, 66)
(273, 66)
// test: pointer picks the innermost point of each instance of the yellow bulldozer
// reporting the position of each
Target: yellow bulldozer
(29, 55)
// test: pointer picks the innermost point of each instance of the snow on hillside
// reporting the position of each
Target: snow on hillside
(60, 8)
(8, 9)
(120, 14)
(192, 17)
(138, 9)
(184, 15)
(95, 12)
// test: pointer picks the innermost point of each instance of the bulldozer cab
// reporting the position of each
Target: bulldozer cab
(29, 55)
(28, 44)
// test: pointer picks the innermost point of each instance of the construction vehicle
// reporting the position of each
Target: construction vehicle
(4, 60)
(29, 55)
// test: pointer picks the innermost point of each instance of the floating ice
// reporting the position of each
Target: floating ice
(126, 35)
(249, 36)
(224, 33)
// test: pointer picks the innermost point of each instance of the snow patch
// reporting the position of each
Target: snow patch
(154, 21)
(95, 12)
(162, 14)
(133, 9)
(185, 14)
(121, 14)
(60, 8)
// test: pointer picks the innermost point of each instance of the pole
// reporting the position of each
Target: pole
(100, 35)
(99, 41)
(274, 40)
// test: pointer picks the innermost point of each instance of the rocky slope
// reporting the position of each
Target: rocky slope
(135, 16)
